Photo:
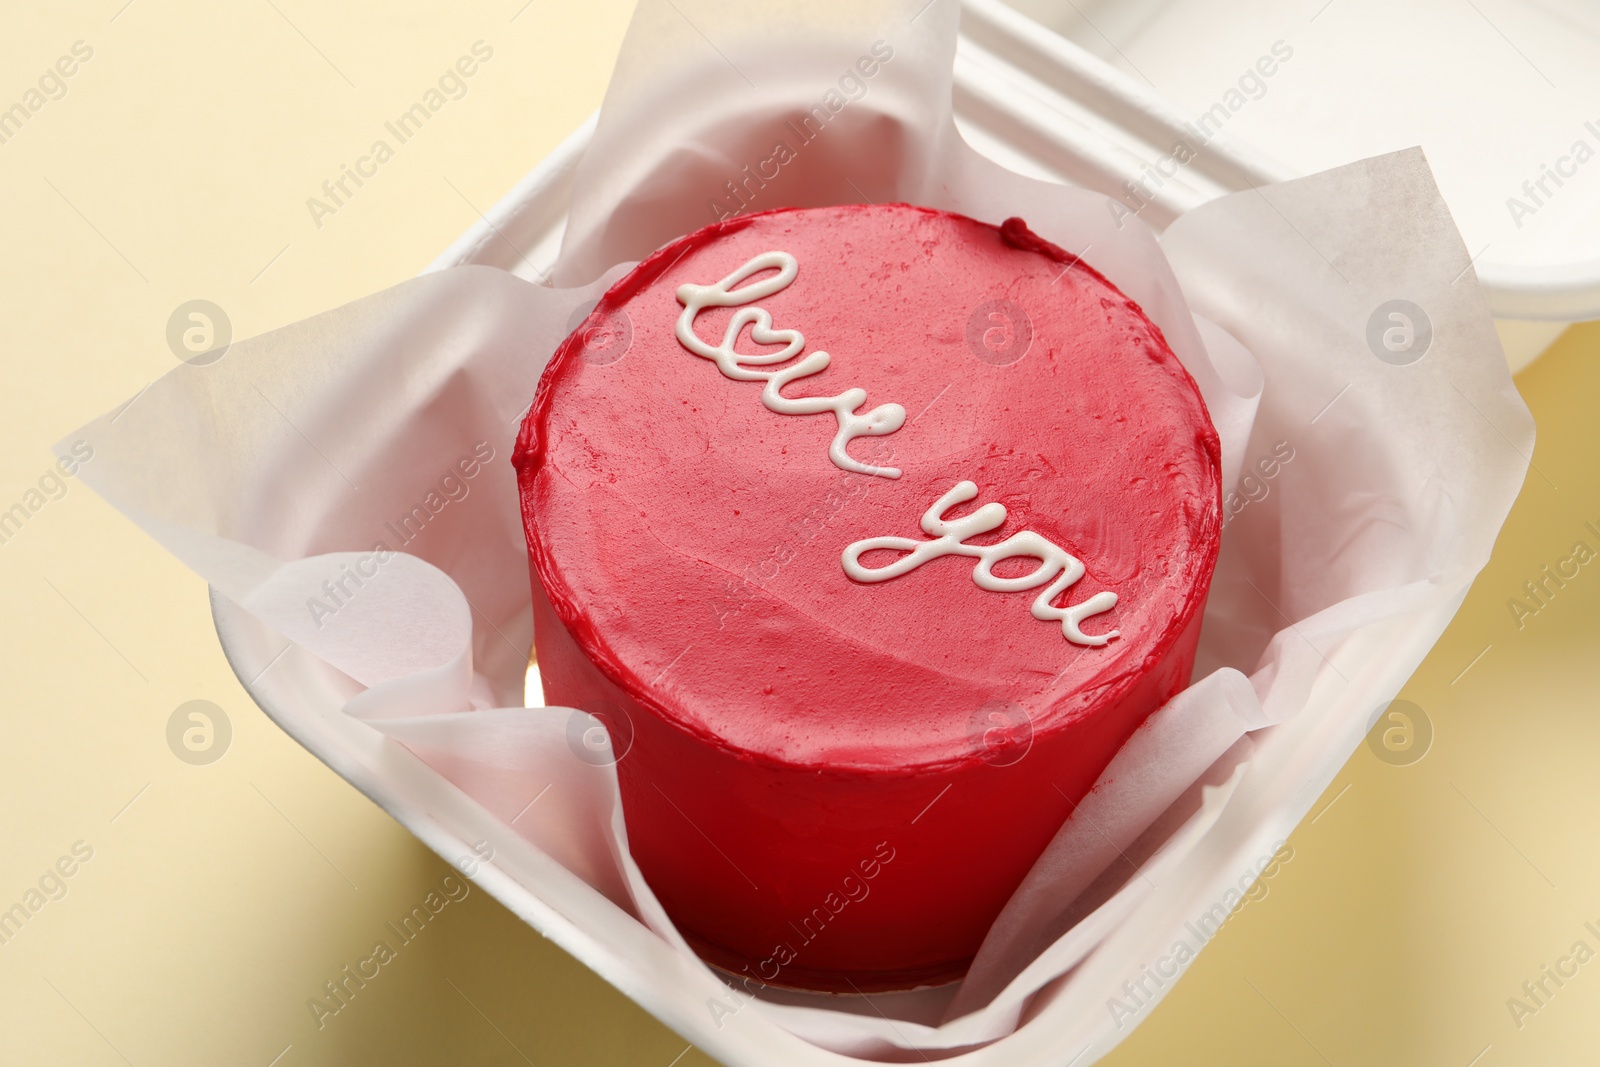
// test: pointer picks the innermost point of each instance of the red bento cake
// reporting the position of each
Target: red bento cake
(883, 533)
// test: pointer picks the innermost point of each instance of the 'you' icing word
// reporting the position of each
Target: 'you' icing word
(949, 536)
(883, 419)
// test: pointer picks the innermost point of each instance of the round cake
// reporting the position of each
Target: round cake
(871, 533)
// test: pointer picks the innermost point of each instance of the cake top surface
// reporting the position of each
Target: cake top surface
(831, 486)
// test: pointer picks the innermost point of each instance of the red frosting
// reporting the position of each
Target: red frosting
(830, 783)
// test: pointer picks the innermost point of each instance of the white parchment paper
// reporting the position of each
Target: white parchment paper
(347, 480)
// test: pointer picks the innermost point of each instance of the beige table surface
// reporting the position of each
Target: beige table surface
(217, 899)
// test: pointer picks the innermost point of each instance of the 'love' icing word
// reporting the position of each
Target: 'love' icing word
(883, 419)
(948, 536)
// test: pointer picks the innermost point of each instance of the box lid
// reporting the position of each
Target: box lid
(1499, 93)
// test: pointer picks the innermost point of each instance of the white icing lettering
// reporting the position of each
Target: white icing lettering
(730, 292)
(1057, 569)
(948, 539)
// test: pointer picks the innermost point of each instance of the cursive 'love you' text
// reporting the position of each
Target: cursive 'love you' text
(1057, 567)
(731, 292)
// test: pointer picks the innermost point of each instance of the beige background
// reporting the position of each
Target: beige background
(219, 898)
